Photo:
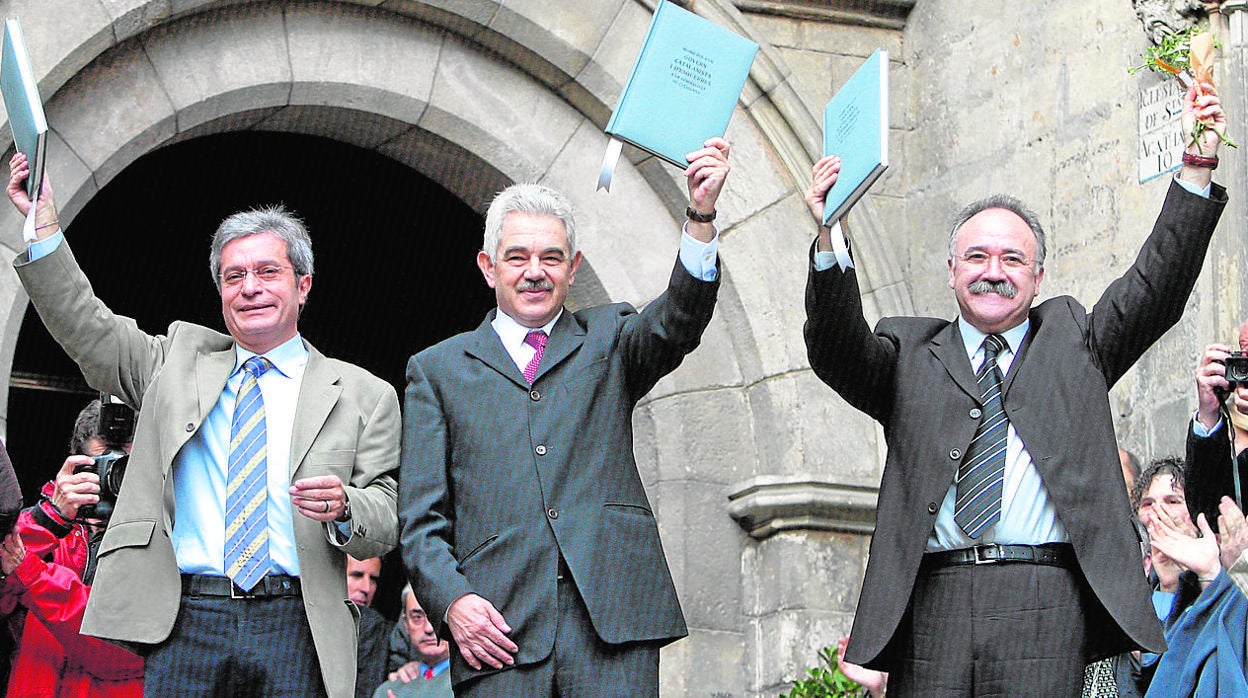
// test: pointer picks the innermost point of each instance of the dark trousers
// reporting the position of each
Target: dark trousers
(1012, 629)
(581, 665)
(233, 648)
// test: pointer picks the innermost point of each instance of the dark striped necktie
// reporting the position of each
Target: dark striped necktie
(982, 473)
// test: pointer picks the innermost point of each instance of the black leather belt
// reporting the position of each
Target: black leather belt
(1052, 554)
(212, 585)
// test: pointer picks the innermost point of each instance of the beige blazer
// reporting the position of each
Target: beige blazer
(346, 424)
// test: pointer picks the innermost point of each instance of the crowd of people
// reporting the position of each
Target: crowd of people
(264, 481)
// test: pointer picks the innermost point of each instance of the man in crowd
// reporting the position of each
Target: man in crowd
(48, 562)
(426, 676)
(527, 533)
(363, 576)
(1217, 440)
(1001, 445)
(274, 458)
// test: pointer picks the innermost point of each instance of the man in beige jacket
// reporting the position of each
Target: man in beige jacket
(229, 596)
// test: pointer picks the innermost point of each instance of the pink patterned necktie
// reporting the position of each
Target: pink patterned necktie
(537, 340)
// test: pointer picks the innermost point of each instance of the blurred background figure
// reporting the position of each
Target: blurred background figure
(363, 578)
(427, 675)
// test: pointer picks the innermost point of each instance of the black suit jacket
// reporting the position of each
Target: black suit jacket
(500, 478)
(912, 375)
(1210, 472)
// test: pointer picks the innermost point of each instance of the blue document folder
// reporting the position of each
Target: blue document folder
(22, 103)
(684, 85)
(855, 128)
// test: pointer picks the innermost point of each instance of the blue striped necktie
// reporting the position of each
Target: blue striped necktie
(246, 505)
(982, 473)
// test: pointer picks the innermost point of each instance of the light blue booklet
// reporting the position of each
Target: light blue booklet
(855, 128)
(684, 85)
(24, 108)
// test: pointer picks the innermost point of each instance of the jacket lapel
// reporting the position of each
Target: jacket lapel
(484, 345)
(565, 337)
(1020, 353)
(212, 370)
(949, 350)
(318, 393)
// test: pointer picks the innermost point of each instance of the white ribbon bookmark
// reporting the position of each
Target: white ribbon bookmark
(608, 164)
(28, 228)
(839, 248)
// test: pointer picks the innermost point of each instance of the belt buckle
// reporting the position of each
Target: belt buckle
(236, 592)
(981, 554)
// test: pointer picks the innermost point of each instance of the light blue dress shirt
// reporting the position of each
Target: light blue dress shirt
(1028, 515)
(199, 469)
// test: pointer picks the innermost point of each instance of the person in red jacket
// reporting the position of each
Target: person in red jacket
(47, 563)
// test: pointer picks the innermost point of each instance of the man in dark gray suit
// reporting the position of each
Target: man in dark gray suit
(526, 531)
(1003, 570)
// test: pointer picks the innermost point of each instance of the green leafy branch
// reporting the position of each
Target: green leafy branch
(1173, 57)
(825, 681)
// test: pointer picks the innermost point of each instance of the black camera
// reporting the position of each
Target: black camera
(116, 429)
(111, 469)
(1236, 364)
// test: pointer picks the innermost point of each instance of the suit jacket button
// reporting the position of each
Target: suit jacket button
(932, 508)
(552, 513)
(955, 453)
(976, 413)
(535, 395)
(540, 450)
(190, 426)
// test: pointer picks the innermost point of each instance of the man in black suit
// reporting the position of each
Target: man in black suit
(526, 531)
(1216, 451)
(1002, 448)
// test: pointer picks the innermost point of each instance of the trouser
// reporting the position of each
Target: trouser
(1009, 629)
(581, 665)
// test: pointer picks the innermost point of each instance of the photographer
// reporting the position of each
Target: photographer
(48, 562)
(1216, 452)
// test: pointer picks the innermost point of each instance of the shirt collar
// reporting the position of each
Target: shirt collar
(437, 668)
(973, 338)
(287, 357)
(513, 333)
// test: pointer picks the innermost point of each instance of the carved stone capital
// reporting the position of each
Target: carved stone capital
(1162, 18)
(768, 504)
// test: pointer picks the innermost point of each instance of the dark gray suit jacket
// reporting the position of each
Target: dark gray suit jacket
(500, 478)
(913, 376)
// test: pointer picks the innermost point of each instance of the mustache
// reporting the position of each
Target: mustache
(535, 285)
(1001, 287)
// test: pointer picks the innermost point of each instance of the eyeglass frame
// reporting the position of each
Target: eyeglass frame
(259, 273)
(1007, 260)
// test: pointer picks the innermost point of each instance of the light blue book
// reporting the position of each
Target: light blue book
(855, 128)
(22, 103)
(684, 85)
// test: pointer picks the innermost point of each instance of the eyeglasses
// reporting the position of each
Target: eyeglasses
(1009, 260)
(414, 617)
(265, 275)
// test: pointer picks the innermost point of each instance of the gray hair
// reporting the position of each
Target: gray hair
(407, 591)
(1009, 203)
(529, 198)
(266, 219)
